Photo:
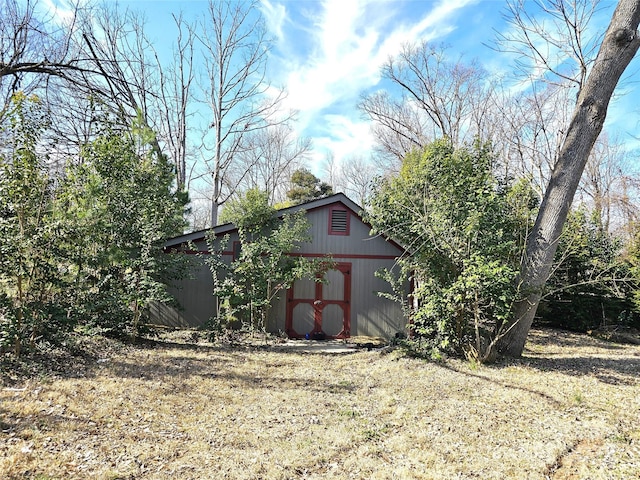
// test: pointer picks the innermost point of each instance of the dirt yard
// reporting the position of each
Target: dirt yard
(186, 409)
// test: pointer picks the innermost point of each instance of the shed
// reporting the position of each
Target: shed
(346, 304)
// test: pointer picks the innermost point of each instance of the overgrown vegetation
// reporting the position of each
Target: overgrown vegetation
(594, 282)
(86, 196)
(465, 231)
(262, 268)
(82, 246)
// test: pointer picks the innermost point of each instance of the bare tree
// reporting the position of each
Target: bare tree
(234, 47)
(104, 75)
(544, 46)
(628, 201)
(596, 87)
(353, 175)
(114, 42)
(175, 98)
(440, 98)
(358, 175)
(42, 52)
(268, 158)
(528, 133)
(608, 182)
(33, 48)
(396, 124)
(332, 175)
(125, 83)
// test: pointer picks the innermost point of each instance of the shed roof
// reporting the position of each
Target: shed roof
(308, 206)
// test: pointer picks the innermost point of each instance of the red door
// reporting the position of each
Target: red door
(321, 309)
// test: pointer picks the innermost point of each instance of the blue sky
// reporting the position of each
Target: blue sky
(328, 53)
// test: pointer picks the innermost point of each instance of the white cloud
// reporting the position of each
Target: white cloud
(431, 26)
(348, 137)
(62, 11)
(347, 45)
(343, 138)
(274, 15)
(339, 63)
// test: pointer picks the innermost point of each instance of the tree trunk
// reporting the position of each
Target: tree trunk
(618, 48)
(215, 199)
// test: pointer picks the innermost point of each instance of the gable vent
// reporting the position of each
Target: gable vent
(339, 221)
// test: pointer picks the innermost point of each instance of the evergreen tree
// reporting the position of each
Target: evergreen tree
(307, 187)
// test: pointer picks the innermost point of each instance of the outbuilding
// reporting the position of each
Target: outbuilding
(348, 303)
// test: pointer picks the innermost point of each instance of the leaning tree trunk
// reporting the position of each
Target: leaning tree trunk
(618, 48)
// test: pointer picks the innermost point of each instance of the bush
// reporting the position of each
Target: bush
(464, 230)
(593, 284)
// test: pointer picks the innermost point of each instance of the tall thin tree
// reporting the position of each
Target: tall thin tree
(619, 45)
(235, 45)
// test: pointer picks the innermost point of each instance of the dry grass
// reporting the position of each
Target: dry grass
(569, 409)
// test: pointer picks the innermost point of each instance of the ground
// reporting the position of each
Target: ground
(184, 408)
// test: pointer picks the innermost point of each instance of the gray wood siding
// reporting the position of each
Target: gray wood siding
(371, 315)
(197, 305)
(358, 242)
(195, 297)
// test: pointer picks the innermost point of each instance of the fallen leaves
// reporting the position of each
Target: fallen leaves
(191, 411)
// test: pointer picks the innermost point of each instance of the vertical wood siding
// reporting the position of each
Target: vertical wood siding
(194, 295)
(371, 314)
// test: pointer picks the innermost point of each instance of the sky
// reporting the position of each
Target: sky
(327, 54)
